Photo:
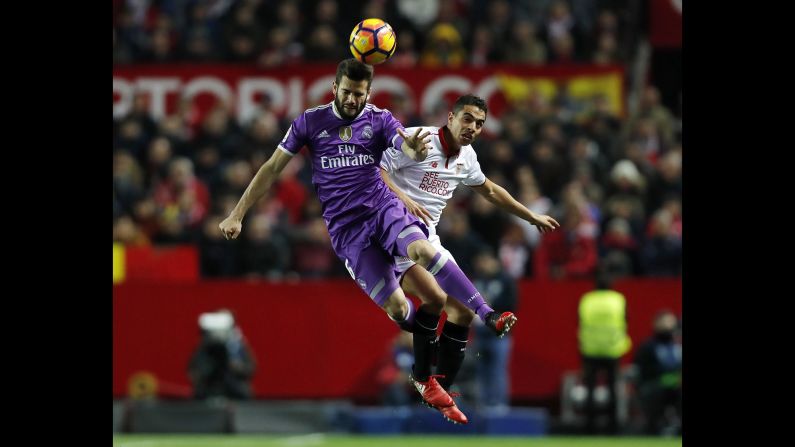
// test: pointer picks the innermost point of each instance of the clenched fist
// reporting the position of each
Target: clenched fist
(231, 227)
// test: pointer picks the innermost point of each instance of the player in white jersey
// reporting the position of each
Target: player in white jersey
(425, 187)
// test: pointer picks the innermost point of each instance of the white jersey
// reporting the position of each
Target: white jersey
(432, 181)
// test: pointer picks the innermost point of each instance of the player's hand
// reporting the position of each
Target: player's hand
(420, 143)
(544, 223)
(417, 210)
(231, 227)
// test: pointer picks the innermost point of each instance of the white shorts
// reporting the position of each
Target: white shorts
(403, 263)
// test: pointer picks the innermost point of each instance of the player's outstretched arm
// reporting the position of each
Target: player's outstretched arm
(497, 195)
(413, 207)
(260, 184)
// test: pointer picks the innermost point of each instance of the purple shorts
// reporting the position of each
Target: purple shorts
(370, 248)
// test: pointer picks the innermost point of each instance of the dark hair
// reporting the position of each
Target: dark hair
(470, 100)
(355, 71)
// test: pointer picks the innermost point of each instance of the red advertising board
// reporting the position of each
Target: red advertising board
(665, 23)
(326, 339)
(293, 89)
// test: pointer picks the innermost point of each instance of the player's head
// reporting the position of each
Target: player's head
(467, 118)
(665, 323)
(351, 87)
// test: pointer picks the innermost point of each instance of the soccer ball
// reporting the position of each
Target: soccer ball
(373, 41)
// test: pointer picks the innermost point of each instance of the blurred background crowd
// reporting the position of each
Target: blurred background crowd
(613, 182)
(432, 33)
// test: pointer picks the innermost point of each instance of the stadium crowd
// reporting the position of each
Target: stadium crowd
(448, 33)
(615, 184)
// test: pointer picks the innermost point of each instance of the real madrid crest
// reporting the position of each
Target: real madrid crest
(346, 133)
(367, 133)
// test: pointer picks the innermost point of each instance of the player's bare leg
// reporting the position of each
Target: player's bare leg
(453, 281)
(396, 305)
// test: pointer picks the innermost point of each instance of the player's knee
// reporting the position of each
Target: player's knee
(434, 302)
(396, 308)
(421, 252)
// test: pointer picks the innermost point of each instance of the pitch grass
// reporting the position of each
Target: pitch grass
(322, 440)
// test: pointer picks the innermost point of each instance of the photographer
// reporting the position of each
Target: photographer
(222, 365)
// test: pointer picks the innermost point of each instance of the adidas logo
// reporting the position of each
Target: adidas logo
(323, 134)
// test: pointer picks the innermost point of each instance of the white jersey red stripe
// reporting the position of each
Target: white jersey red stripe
(432, 181)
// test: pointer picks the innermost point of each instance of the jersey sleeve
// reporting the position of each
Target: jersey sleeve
(391, 126)
(474, 175)
(392, 160)
(296, 136)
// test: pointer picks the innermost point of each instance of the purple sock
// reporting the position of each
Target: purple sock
(453, 281)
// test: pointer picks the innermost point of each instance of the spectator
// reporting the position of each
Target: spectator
(460, 241)
(500, 291)
(267, 253)
(159, 157)
(661, 254)
(444, 48)
(128, 233)
(666, 181)
(393, 375)
(571, 251)
(563, 33)
(526, 47)
(484, 49)
(487, 220)
(324, 45)
(243, 35)
(182, 196)
(406, 55)
(549, 167)
(531, 197)
(603, 340)
(218, 258)
(128, 180)
(620, 246)
(421, 13)
(514, 252)
(222, 365)
(651, 108)
(659, 363)
(313, 255)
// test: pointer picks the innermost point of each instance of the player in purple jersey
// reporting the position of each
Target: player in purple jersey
(425, 187)
(367, 223)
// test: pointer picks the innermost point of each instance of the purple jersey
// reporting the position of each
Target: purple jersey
(345, 163)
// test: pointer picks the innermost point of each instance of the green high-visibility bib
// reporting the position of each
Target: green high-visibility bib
(603, 327)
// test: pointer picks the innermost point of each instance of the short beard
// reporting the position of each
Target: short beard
(340, 109)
